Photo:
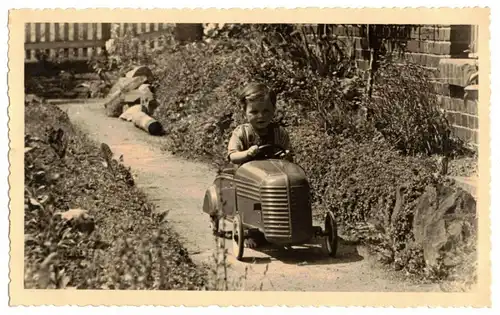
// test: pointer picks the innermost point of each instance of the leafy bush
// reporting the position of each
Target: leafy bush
(120, 244)
(313, 47)
(373, 153)
(405, 110)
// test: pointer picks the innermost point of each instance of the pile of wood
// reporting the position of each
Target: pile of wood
(131, 99)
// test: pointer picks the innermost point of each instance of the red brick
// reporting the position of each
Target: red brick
(441, 103)
(458, 132)
(444, 34)
(446, 104)
(441, 88)
(464, 121)
(413, 46)
(472, 107)
(429, 48)
(413, 57)
(428, 33)
(433, 60)
(469, 135)
(415, 33)
(441, 48)
(458, 105)
(473, 122)
(450, 116)
(465, 134)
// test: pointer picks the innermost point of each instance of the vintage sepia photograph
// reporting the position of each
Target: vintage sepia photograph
(297, 157)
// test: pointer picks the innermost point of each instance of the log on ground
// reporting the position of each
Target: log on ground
(147, 123)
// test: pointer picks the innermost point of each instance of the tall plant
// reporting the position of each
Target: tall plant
(312, 46)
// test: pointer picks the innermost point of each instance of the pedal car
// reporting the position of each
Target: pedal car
(271, 195)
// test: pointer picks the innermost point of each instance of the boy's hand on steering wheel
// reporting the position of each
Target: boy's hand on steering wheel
(253, 150)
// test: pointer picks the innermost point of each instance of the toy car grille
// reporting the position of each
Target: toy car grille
(275, 212)
(299, 205)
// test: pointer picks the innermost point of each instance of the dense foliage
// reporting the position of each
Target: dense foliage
(113, 239)
(359, 153)
(367, 143)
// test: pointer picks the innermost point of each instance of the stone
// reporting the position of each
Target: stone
(113, 104)
(79, 219)
(116, 97)
(141, 71)
(126, 84)
(137, 96)
(442, 220)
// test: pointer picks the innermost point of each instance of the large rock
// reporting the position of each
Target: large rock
(126, 84)
(138, 96)
(80, 219)
(141, 71)
(444, 219)
(114, 104)
(116, 97)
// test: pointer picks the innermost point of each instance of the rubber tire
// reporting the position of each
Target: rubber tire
(331, 239)
(238, 245)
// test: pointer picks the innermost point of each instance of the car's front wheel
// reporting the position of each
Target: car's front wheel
(331, 235)
(238, 237)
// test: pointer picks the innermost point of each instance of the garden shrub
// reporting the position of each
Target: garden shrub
(125, 245)
(405, 110)
(358, 153)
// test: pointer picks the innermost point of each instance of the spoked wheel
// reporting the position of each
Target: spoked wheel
(331, 237)
(238, 237)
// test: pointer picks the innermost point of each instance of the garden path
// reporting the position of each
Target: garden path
(176, 185)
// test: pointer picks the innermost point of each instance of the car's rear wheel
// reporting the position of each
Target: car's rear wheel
(238, 237)
(331, 235)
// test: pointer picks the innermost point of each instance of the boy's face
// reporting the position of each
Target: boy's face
(260, 112)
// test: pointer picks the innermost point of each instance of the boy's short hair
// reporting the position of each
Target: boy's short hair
(256, 90)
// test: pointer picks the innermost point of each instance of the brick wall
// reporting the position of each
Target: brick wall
(450, 50)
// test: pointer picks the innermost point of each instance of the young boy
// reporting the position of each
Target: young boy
(259, 104)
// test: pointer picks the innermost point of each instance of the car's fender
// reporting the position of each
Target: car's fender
(211, 202)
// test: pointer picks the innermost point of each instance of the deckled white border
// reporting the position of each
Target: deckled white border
(242, 4)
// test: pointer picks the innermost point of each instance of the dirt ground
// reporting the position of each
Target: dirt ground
(177, 186)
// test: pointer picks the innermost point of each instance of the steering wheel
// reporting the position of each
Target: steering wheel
(269, 151)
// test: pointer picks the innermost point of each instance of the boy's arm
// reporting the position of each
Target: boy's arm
(235, 151)
(284, 142)
(239, 157)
